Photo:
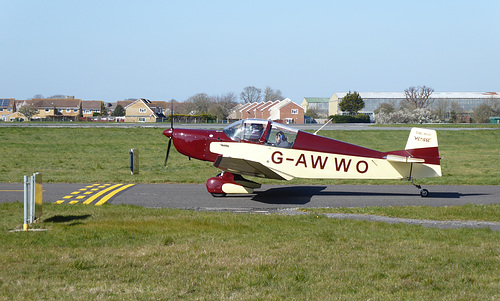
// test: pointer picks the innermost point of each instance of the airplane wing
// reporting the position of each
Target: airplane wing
(249, 168)
(246, 159)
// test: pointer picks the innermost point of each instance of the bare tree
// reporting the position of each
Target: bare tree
(419, 97)
(251, 94)
(272, 95)
(57, 96)
(456, 111)
(198, 104)
(440, 108)
(385, 108)
(28, 110)
(221, 105)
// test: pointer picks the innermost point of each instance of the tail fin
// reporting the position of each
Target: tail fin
(421, 138)
(421, 152)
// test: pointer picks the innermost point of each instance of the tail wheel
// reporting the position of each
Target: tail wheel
(424, 193)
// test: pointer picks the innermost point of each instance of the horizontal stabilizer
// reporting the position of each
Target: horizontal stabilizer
(397, 158)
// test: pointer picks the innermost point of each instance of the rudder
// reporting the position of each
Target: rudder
(421, 138)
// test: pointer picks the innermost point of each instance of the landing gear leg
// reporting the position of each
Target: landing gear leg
(423, 192)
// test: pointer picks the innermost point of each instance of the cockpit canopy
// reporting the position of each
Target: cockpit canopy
(261, 131)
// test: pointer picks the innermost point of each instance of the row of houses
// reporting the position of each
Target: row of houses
(140, 110)
(65, 109)
(282, 111)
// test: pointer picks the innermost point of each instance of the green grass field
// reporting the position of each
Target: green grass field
(115, 252)
(130, 253)
(84, 155)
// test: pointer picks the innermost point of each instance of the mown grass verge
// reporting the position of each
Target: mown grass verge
(489, 213)
(126, 252)
(84, 155)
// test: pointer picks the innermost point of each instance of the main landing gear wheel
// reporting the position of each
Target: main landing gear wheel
(228, 183)
(218, 195)
(424, 193)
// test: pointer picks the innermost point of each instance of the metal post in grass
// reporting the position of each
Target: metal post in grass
(36, 180)
(26, 203)
(33, 199)
(133, 161)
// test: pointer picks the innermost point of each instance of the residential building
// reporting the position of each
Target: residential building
(56, 109)
(16, 116)
(283, 111)
(287, 112)
(143, 110)
(91, 107)
(7, 107)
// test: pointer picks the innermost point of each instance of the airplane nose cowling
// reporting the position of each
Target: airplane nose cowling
(168, 133)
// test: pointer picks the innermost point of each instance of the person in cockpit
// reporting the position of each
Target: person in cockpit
(281, 140)
(257, 130)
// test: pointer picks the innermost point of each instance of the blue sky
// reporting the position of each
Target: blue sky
(162, 50)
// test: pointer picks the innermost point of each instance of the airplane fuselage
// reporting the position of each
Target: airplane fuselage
(265, 149)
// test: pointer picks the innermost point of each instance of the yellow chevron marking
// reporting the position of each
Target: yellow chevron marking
(95, 196)
(110, 195)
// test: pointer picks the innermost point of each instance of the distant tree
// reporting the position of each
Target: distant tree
(119, 111)
(385, 108)
(38, 96)
(440, 108)
(104, 110)
(57, 96)
(485, 110)
(456, 111)
(198, 104)
(418, 97)
(311, 113)
(28, 110)
(272, 95)
(406, 115)
(251, 94)
(221, 105)
(352, 103)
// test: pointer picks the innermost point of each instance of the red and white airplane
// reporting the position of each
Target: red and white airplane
(266, 149)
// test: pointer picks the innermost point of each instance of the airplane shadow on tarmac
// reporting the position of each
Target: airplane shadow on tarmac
(297, 195)
(301, 195)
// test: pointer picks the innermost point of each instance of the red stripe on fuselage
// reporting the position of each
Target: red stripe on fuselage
(311, 142)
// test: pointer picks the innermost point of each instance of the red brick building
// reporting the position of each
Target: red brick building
(282, 111)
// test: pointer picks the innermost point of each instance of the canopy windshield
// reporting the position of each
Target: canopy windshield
(252, 130)
(248, 129)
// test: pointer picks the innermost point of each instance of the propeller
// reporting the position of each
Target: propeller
(170, 132)
(168, 150)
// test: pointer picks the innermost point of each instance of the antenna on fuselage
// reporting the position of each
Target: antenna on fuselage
(323, 126)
